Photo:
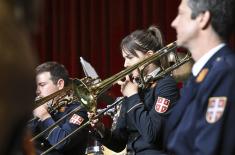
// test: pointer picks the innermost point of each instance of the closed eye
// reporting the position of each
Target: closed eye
(42, 84)
(129, 56)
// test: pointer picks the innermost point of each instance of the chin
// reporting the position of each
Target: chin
(181, 43)
(178, 41)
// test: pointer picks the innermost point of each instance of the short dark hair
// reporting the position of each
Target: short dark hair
(150, 39)
(57, 71)
(222, 14)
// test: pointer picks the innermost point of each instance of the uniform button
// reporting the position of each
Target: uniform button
(218, 59)
(42, 144)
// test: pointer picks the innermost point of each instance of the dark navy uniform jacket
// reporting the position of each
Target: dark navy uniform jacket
(73, 146)
(139, 125)
(203, 121)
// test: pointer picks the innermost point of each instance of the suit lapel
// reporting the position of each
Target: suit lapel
(187, 94)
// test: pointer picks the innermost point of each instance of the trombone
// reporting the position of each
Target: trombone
(102, 112)
(56, 100)
(87, 91)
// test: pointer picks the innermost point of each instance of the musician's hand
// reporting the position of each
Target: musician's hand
(128, 88)
(95, 123)
(41, 112)
(91, 118)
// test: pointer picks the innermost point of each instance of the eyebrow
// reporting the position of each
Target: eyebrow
(129, 56)
(41, 83)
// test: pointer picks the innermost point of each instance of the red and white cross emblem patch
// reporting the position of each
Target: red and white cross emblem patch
(76, 119)
(215, 109)
(162, 105)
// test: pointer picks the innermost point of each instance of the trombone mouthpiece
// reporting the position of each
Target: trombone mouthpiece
(37, 98)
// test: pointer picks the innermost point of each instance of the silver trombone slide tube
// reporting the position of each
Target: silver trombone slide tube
(56, 123)
(118, 101)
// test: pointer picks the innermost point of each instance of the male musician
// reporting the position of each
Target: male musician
(202, 122)
(51, 77)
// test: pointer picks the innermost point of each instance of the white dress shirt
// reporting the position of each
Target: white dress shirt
(204, 59)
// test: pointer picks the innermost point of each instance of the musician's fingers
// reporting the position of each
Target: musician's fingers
(127, 78)
(94, 122)
(90, 114)
(121, 82)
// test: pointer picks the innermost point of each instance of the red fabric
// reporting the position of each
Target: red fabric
(94, 29)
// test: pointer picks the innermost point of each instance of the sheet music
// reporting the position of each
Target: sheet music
(88, 69)
(90, 72)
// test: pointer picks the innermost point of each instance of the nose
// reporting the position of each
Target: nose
(173, 23)
(126, 64)
(38, 91)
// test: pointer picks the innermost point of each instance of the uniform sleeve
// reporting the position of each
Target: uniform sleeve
(62, 130)
(33, 125)
(149, 122)
(216, 123)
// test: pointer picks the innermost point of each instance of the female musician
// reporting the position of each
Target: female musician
(145, 110)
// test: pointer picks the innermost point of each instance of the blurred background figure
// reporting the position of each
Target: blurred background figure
(17, 63)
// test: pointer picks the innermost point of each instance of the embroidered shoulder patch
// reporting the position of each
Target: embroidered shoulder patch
(215, 109)
(202, 75)
(162, 105)
(76, 119)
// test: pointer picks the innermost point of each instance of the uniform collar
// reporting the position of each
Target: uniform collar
(205, 58)
(155, 72)
(150, 75)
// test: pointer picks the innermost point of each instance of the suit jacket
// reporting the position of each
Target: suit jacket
(203, 121)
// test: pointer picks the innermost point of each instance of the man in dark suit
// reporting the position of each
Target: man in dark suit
(50, 78)
(203, 121)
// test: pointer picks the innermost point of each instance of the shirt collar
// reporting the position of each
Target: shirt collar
(204, 59)
(154, 73)
(148, 76)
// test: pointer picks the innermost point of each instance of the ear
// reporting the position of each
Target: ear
(60, 84)
(204, 19)
(149, 53)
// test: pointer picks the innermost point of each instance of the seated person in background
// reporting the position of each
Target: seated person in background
(51, 77)
(144, 112)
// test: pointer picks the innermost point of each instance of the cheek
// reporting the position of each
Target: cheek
(186, 30)
(135, 60)
(190, 31)
(48, 90)
(181, 26)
